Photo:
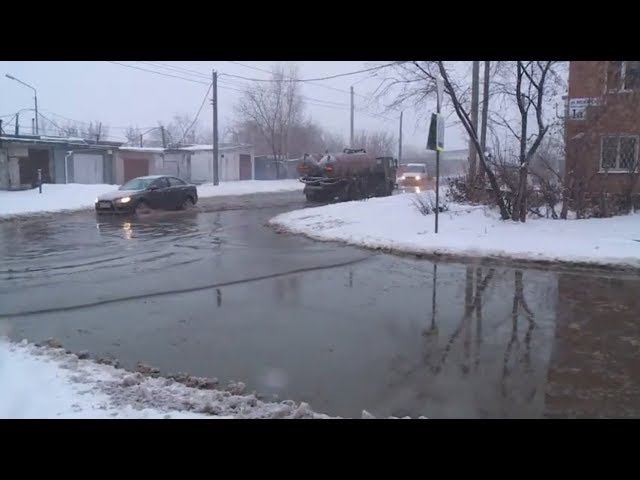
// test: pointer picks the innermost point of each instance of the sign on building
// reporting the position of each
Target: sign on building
(578, 107)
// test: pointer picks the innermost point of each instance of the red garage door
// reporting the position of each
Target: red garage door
(135, 167)
(245, 167)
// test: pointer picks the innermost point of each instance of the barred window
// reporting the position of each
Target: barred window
(619, 153)
(632, 76)
(623, 76)
(614, 74)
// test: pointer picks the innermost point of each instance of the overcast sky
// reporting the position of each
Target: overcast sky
(120, 96)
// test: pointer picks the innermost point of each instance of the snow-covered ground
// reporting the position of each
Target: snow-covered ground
(394, 224)
(44, 382)
(244, 187)
(75, 196)
(54, 198)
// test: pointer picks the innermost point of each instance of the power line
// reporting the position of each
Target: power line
(176, 69)
(300, 80)
(158, 73)
(197, 114)
(310, 83)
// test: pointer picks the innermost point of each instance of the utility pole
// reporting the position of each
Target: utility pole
(215, 126)
(400, 140)
(33, 126)
(17, 124)
(475, 94)
(485, 115)
(164, 141)
(1, 132)
(351, 136)
(35, 95)
(35, 98)
(98, 133)
(140, 141)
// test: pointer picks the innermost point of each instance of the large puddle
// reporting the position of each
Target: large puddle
(338, 327)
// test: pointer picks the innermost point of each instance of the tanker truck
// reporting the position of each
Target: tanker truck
(350, 175)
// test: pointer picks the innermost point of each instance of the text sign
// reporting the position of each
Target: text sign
(578, 107)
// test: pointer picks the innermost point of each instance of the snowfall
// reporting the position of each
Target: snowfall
(44, 382)
(394, 224)
(74, 196)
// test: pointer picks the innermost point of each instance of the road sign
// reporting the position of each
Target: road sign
(436, 133)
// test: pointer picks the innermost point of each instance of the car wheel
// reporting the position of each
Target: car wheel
(143, 208)
(187, 204)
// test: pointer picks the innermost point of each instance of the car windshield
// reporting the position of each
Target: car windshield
(137, 184)
(414, 169)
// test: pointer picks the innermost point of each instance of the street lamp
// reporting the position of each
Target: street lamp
(35, 96)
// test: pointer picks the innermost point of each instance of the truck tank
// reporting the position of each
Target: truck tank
(349, 175)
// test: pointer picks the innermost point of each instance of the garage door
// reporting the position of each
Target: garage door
(87, 168)
(201, 167)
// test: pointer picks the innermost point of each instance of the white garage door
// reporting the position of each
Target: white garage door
(201, 166)
(87, 168)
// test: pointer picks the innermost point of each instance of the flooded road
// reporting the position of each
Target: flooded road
(219, 294)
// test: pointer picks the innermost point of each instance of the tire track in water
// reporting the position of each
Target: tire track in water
(183, 290)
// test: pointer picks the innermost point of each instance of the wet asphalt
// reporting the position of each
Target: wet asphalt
(215, 292)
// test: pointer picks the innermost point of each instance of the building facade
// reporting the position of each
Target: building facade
(75, 160)
(60, 160)
(603, 127)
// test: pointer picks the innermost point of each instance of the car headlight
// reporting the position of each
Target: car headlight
(96, 200)
(402, 177)
(124, 200)
(417, 177)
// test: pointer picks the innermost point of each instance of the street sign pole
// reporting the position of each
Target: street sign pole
(439, 95)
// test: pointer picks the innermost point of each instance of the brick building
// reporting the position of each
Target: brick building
(603, 128)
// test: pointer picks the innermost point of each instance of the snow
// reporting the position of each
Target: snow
(394, 224)
(244, 187)
(54, 197)
(75, 196)
(43, 382)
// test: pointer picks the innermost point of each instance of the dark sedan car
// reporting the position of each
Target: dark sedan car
(143, 194)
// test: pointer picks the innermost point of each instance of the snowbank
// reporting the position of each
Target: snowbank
(393, 223)
(43, 382)
(75, 196)
(54, 198)
(244, 187)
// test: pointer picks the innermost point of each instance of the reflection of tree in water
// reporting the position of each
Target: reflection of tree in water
(519, 304)
(472, 304)
(476, 285)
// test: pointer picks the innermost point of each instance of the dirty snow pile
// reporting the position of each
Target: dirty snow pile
(244, 187)
(394, 224)
(44, 382)
(54, 198)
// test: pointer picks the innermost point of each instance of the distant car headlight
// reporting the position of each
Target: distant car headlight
(124, 200)
(417, 177)
(402, 177)
(96, 200)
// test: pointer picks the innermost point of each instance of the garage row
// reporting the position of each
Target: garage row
(74, 160)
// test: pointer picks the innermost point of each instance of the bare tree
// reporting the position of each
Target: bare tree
(273, 107)
(530, 90)
(133, 134)
(377, 143)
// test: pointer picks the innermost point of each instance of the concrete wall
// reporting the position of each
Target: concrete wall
(4, 169)
(173, 163)
(228, 165)
(58, 160)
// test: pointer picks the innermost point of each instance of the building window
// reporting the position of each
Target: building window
(631, 76)
(623, 76)
(619, 153)
(614, 75)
